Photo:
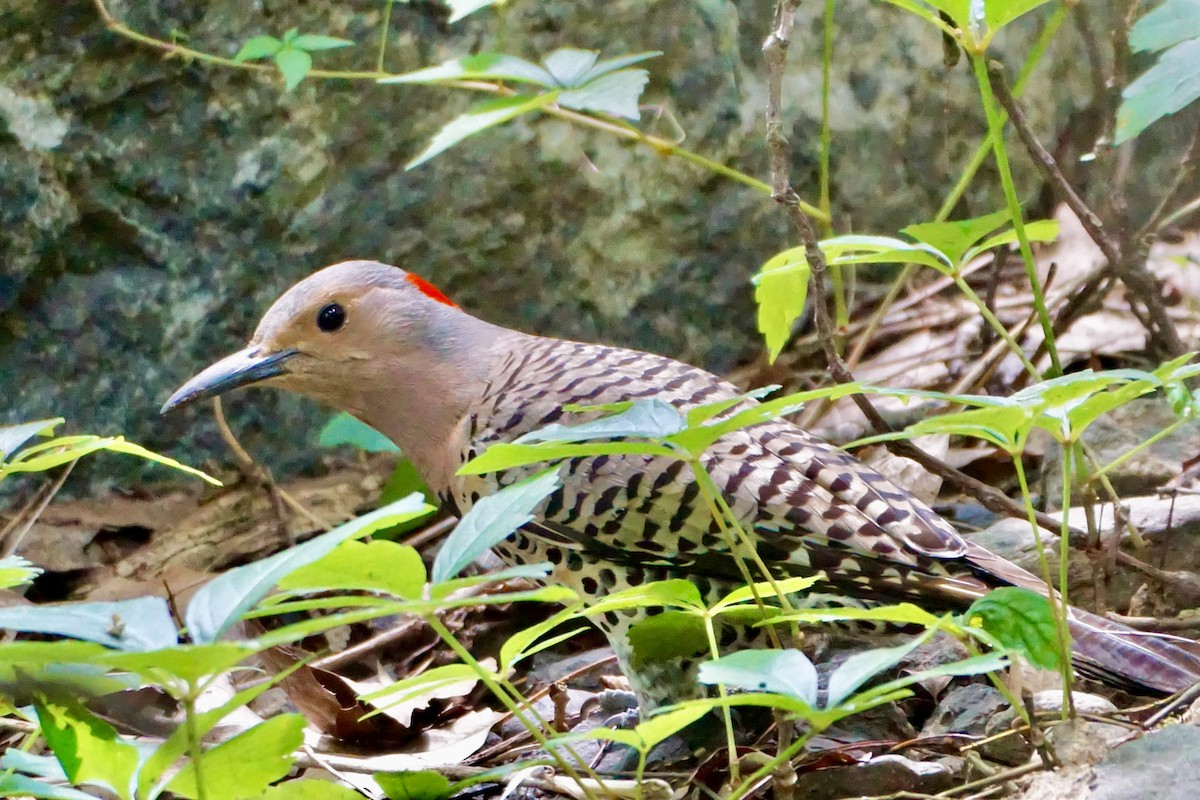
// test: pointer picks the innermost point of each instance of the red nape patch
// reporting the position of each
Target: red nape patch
(429, 290)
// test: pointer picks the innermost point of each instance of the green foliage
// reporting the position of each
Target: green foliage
(569, 77)
(245, 765)
(423, 785)
(17, 455)
(1020, 621)
(491, 520)
(342, 428)
(290, 53)
(1173, 31)
(89, 749)
(16, 571)
(781, 284)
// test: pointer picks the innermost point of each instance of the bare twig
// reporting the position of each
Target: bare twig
(1143, 285)
(1183, 174)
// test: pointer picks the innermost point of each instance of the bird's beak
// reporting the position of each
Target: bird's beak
(240, 369)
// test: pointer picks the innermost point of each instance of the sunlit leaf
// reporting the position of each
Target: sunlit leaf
(649, 419)
(1168, 86)
(143, 623)
(862, 667)
(1042, 230)
(667, 637)
(257, 47)
(482, 66)
(188, 663)
(247, 764)
(568, 65)
(422, 785)
(377, 566)
(765, 590)
(311, 789)
(88, 748)
(462, 8)
(16, 571)
(1170, 23)
(955, 237)
(900, 614)
(525, 642)
(505, 455)
(490, 521)
(781, 291)
(615, 94)
(223, 600)
(57, 452)
(345, 429)
(317, 41)
(293, 64)
(786, 672)
(1022, 621)
(14, 785)
(481, 117)
(674, 593)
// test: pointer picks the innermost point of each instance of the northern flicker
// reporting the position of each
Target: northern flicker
(389, 348)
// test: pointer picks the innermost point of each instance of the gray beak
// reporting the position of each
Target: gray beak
(240, 369)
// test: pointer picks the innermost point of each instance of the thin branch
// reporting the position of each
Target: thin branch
(1141, 283)
(7, 548)
(1159, 218)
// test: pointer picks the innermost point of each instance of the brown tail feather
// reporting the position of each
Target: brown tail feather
(1107, 650)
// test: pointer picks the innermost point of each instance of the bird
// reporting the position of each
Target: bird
(389, 348)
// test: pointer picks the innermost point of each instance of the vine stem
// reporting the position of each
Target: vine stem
(1057, 607)
(996, 127)
(193, 740)
(660, 145)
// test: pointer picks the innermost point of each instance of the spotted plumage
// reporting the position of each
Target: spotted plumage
(445, 386)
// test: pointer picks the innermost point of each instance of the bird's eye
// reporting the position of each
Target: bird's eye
(331, 318)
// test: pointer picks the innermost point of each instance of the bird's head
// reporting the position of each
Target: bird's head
(338, 336)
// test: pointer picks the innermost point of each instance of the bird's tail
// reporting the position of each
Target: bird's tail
(1106, 650)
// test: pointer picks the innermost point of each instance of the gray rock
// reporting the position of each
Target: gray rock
(1160, 764)
(883, 775)
(966, 710)
(1120, 431)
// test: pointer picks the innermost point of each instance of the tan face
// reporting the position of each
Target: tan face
(326, 336)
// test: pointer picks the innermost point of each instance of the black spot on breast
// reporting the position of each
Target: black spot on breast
(590, 586)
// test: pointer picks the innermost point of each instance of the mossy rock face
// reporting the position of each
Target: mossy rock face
(152, 208)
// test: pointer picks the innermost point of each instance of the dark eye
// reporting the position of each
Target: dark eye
(331, 317)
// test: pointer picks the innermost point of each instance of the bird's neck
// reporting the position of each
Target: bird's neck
(422, 397)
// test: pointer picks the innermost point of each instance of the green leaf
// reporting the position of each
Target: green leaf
(1042, 230)
(674, 593)
(310, 789)
(955, 238)
(781, 291)
(13, 436)
(189, 663)
(483, 66)
(87, 747)
(427, 682)
(1001, 12)
(899, 614)
(143, 623)
(293, 64)
(317, 41)
(616, 94)
(55, 453)
(377, 566)
(16, 571)
(345, 429)
(423, 785)
(667, 637)
(668, 723)
(1171, 23)
(525, 642)
(611, 65)
(490, 521)
(461, 8)
(223, 600)
(290, 35)
(765, 590)
(786, 672)
(247, 764)
(257, 47)
(861, 667)
(976, 665)
(12, 785)
(1022, 621)
(481, 117)
(568, 66)
(650, 419)
(1167, 87)
(503, 455)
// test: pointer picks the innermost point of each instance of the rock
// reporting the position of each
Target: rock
(1118, 432)
(1073, 742)
(966, 710)
(1160, 765)
(882, 775)
(1167, 523)
(153, 207)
